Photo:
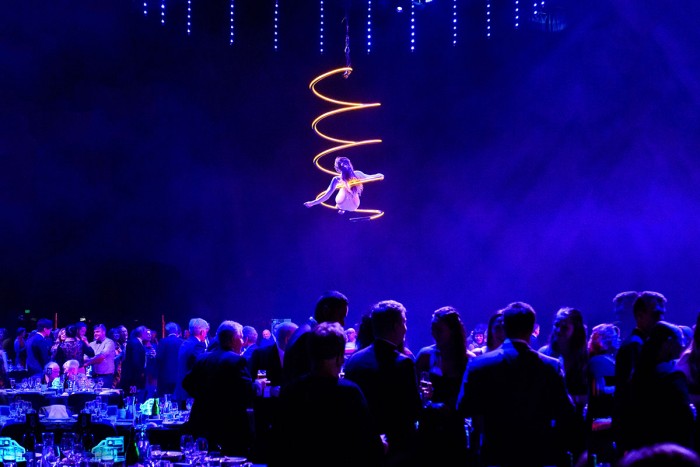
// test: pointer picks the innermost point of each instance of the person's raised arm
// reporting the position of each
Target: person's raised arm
(325, 195)
(370, 177)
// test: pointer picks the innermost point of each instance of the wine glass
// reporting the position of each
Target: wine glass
(425, 386)
(201, 448)
(155, 454)
(67, 444)
(187, 446)
(88, 441)
(51, 455)
(47, 438)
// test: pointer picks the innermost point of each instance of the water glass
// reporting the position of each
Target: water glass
(68, 442)
(30, 459)
(425, 386)
(38, 449)
(201, 448)
(187, 446)
(155, 454)
(50, 455)
(14, 406)
(47, 438)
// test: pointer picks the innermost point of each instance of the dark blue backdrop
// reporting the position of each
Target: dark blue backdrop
(144, 172)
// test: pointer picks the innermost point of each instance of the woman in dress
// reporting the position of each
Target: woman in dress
(568, 343)
(495, 334)
(73, 348)
(441, 366)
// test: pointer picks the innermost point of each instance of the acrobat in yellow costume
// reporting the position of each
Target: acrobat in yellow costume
(348, 181)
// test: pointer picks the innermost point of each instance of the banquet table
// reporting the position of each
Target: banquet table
(48, 397)
(165, 433)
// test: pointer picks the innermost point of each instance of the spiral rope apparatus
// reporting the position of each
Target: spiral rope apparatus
(370, 214)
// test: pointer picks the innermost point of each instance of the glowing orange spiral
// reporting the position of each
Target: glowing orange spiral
(342, 143)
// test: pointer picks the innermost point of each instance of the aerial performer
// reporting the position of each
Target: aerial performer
(349, 183)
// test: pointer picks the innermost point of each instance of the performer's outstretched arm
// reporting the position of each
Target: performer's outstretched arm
(371, 177)
(322, 197)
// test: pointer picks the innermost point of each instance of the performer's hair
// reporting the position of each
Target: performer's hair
(347, 173)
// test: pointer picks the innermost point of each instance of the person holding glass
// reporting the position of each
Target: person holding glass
(222, 388)
(441, 431)
(103, 361)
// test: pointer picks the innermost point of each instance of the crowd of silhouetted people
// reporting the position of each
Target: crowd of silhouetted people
(337, 395)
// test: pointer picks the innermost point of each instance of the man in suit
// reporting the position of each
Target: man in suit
(513, 394)
(39, 348)
(133, 374)
(271, 358)
(266, 338)
(387, 377)
(331, 307)
(166, 359)
(222, 388)
(321, 423)
(648, 309)
(250, 341)
(190, 349)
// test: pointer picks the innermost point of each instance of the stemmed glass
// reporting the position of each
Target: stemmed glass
(426, 387)
(201, 448)
(155, 454)
(51, 455)
(187, 447)
(48, 439)
(67, 444)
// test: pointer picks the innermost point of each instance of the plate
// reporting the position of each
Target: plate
(172, 454)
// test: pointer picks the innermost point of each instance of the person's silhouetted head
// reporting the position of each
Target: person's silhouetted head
(331, 307)
(519, 320)
(660, 455)
(649, 309)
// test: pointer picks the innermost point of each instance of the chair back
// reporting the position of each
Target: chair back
(100, 431)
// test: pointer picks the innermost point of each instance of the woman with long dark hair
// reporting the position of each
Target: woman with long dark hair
(441, 367)
(689, 362)
(568, 342)
(349, 183)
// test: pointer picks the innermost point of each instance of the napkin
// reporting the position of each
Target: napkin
(55, 411)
